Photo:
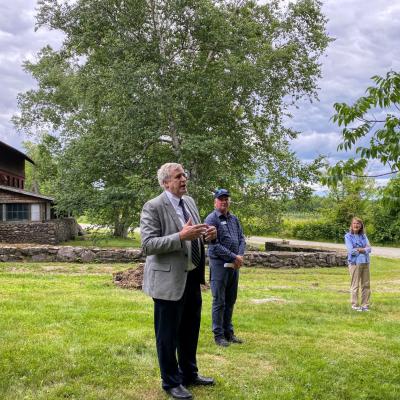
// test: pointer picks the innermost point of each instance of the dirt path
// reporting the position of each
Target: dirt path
(389, 252)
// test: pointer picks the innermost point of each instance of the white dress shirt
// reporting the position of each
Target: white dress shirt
(178, 209)
(175, 203)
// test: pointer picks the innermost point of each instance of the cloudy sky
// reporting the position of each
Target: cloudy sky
(366, 34)
(366, 43)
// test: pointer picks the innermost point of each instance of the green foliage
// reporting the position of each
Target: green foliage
(387, 213)
(380, 210)
(42, 177)
(311, 205)
(104, 239)
(359, 122)
(259, 218)
(350, 198)
(205, 83)
(317, 229)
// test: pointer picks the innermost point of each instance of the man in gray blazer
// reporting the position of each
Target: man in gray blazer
(173, 241)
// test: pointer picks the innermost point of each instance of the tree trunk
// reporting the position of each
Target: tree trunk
(120, 230)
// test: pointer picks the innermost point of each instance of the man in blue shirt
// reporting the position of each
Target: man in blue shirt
(225, 258)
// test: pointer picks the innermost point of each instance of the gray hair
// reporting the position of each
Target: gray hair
(164, 173)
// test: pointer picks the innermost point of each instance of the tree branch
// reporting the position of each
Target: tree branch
(373, 176)
(372, 121)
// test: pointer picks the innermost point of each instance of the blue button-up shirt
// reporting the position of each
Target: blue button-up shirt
(230, 238)
(354, 242)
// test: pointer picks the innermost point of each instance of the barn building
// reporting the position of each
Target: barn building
(26, 216)
(17, 204)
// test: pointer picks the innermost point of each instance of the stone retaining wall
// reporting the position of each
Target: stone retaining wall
(69, 254)
(285, 245)
(286, 259)
(49, 232)
(273, 259)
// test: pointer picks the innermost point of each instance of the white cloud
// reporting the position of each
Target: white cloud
(366, 44)
(18, 42)
(311, 144)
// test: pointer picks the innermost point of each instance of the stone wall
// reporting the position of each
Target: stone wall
(284, 245)
(286, 259)
(87, 255)
(48, 232)
(68, 254)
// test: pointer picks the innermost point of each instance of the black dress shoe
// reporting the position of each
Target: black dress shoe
(221, 342)
(234, 339)
(200, 381)
(179, 392)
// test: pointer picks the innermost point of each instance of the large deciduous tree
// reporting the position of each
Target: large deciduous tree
(203, 82)
(43, 176)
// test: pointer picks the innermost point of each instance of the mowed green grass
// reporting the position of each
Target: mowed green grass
(66, 332)
(104, 240)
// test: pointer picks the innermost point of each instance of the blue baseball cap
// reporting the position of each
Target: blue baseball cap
(221, 192)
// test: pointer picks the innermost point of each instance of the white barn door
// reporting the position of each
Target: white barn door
(35, 212)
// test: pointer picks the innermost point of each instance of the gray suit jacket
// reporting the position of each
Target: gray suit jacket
(167, 257)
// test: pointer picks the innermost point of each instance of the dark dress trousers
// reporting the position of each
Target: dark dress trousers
(175, 291)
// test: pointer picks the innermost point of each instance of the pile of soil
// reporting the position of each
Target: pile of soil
(133, 278)
(130, 279)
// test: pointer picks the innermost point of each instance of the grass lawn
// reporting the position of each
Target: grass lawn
(66, 332)
(104, 240)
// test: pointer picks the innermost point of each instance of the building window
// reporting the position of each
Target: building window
(1, 212)
(17, 212)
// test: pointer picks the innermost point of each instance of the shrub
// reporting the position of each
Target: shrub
(386, 226)
(317, 229)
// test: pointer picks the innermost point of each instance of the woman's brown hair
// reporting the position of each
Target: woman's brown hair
(361, 231)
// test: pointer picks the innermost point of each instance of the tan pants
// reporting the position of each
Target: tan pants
(360, 276)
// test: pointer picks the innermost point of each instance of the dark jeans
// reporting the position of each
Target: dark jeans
(177, 325)
(224, 293)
